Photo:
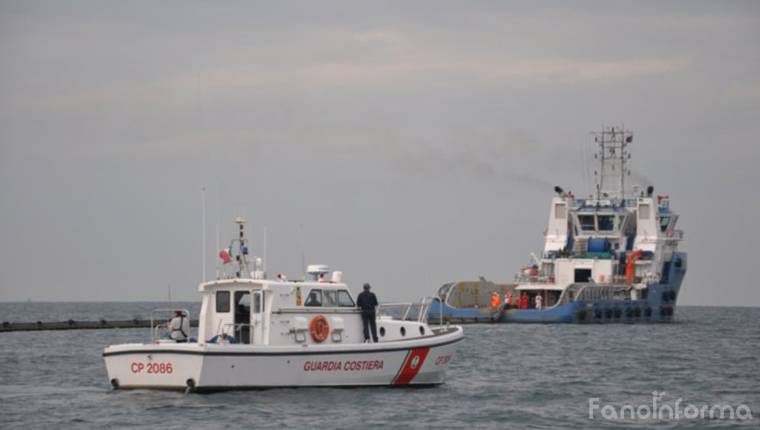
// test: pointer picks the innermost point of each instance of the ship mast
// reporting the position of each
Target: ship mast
(613, 157)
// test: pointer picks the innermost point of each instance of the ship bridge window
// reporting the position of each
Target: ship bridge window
(606, 222)
(314, 299)
(664, 221)
(345, 300)
(222, 301)
(587, 222)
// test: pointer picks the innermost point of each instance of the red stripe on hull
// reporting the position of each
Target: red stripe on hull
(412, 366)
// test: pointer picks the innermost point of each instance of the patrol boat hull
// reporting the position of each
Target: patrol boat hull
(214, 367)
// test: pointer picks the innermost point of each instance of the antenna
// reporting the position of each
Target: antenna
(613, 159)
(303, 257)
(264, 251)
(217, 228)
(203, 232)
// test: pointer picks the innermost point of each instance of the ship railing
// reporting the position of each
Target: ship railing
(236, 331)
(601, 292)
(155, 336)
(673, 235)
(533, 279)
(407, 311)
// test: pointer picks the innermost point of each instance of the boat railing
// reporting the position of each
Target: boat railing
(236, 331)
(154, 334)
(601, 292)
(407, 311)
(533, 279)
(674, 235)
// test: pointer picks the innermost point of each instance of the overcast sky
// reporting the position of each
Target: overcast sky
(409, 143)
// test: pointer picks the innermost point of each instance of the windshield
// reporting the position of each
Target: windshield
(587, 222)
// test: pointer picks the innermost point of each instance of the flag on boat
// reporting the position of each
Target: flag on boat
(225, 256)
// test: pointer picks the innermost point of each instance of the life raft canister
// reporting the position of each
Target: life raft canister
(319, 328)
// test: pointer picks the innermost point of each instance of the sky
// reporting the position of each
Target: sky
(405, 143)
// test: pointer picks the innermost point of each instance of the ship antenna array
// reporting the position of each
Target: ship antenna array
(242, 254)
(613, 158)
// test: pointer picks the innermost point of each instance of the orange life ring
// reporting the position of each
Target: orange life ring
(319, 328)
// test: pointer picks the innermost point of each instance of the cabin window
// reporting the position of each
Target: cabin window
(257, 302)
(582, 275)
(606, 222)
(314, 299)
(331, 298)
(242, 307)
(222, 301)
(559, 211)
(587, 222)
(664, 221)
(243, 316)
(345, 300)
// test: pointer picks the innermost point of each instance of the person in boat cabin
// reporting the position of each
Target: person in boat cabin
(178, 328)
(367, 302)
(538, 301)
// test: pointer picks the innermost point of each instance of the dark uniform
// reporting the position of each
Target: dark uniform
(367, 302)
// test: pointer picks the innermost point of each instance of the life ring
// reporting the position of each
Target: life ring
(319, 328)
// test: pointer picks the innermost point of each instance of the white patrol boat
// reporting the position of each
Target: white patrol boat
(610, 258)
(259, 333)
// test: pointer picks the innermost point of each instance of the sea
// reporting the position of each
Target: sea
(503, 377)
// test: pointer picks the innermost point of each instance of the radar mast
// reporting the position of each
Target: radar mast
(613, 158)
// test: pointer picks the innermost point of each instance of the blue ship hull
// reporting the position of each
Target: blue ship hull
(658, 305)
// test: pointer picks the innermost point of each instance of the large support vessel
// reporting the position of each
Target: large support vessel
(611, 257)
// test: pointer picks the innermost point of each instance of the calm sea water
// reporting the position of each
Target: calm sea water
(505, 376)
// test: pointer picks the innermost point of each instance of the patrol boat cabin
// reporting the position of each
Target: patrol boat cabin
(255, 332)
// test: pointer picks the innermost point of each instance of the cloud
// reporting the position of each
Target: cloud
(339, 63)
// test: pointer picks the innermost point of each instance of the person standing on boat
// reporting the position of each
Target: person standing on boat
(539, 299)
(178, 327)
(495, 300)
(367, 302)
